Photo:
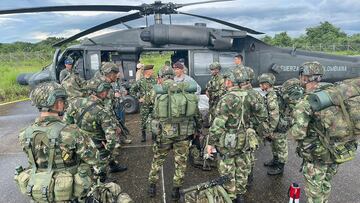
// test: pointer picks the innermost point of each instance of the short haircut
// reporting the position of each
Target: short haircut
(239, 56)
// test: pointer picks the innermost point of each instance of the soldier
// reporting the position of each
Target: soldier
(180, 76)
(139, 72)
(61, 157)
(92, 117)
(142, 91)
(109, 72)
(173, 131)
(233, 134)
(67, 70)
(215, 88)
(278, 140)
(318, 167)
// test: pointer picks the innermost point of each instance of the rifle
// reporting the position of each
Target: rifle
(203, 186)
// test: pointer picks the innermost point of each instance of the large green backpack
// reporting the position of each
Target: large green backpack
(337, 118)
(175, 101)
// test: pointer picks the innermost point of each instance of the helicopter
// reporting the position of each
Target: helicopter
(198, 46)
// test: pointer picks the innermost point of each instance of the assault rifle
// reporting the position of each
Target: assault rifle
(203, 186)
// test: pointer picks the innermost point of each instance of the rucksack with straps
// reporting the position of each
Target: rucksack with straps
(175, 101)
(337, 118)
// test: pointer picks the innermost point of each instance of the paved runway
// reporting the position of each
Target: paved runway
(138, 156)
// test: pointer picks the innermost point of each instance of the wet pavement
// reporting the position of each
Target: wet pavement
(137, 156)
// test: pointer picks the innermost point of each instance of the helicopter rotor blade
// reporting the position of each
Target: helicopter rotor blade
(110, 23)
(201, 2)
(111, 8)
(251, 31)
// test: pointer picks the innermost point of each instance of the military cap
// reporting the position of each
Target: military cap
(178, 65)
(98, 86)
(45, 94)
(215, 65)
(148, 67)
(311, 68)
(109, 67)
(267, 78)
(166, 70)
(69, 61)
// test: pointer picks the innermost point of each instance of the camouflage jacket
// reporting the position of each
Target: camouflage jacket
(64, 73)
(73, 85)
(96, 121)
(142, 89)
(228, 117)
(72, 146)
(272, 105)
(215, 89)
(304, 131)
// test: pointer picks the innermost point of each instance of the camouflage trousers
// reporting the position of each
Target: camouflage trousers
(238, 167)
(279, 147)
(181, 153)
(318, 181)
(145, 112)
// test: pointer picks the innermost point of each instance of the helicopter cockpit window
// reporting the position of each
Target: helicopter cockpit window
(94, 62)
(201, 63)
(227, 61)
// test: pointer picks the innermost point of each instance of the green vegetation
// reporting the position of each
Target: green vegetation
(155, 58)
(9, 89)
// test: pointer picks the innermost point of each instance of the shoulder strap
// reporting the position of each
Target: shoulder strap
(87, 109)
(241, 95)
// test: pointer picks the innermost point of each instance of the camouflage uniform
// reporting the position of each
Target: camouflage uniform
(172, 137)
(142, 89)
(215, 89)
(318, 166)
(91, 116)
(72, 150)
(73, 85)
(233, 115)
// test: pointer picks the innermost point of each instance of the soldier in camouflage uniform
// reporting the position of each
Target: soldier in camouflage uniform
(278, 140)
(215, 88)
(71, 81)
(109, 72)
(142, 91)
(95, 121)
(318, 166)
(69, 62)
(233, 134)
(52, 145)
(174, 135)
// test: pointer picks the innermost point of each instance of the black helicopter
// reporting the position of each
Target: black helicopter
(197, 44)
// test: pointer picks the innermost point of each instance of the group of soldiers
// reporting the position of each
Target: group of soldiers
(78, 130)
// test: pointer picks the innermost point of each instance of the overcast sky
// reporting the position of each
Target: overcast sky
(271, 18)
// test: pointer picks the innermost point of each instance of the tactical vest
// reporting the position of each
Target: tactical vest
(239, 138)
(49, 179)
(337, 118)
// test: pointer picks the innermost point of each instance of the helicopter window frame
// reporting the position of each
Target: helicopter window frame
(227, 66)
(200, 68)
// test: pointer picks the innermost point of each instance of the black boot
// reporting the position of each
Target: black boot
(272, 162)
(175, 194)
(152, 190)
(143, 135)
(115, 167)
(276, 170)
(239, 199)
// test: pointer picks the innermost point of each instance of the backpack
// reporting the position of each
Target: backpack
(337, 118)
(175, 101)
(283, 124)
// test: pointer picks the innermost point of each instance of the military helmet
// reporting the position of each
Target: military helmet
(237, 75)
(291, 89)
(267, 78)
(215, 65)
(108, 67)
(166, 70)
(45, 94)
(311, 68)
(98, 86)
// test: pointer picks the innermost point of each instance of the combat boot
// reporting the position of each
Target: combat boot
(175, 194)
(116, 167)
(152, 190)
(276, 170)
(272, 162)
(239, 199)
(143, 135)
